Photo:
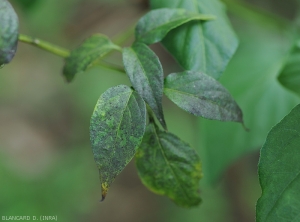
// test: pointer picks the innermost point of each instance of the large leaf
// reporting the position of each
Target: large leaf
(205, 47)
(290, 73)
(202, 95)
(146, 75)
(91, 50)
(169, 166)
(156, 24)
(117, 128)
(279, 172)
(262, 98)
(9, 26)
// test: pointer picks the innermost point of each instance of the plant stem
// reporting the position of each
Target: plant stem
(124, 36)
(110, 66)
(45, 45)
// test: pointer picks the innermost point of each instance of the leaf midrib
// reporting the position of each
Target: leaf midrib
(167, 162)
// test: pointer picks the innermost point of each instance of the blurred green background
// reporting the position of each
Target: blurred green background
(46, 163)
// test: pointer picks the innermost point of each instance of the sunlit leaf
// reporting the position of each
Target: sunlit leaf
(279, 172)
(202, 95)
(290, 73)
(156, 24)
(146, 75)
(91, 50)
(9, 26)
(197, 46)
(117, 128)
(169, 166)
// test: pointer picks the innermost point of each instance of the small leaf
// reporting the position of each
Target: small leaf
(146, 75)
(169, 166)
(91, 50)
(155, 25)
(117, 128)
(279, 171)
(202, 95)
(9, 26)
(290, 73)
(205, 47)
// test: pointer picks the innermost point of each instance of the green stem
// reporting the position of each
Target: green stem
(45, 45)
(124, 36)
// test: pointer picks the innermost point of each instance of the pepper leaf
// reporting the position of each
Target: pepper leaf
(169, 166)
(91, 50)
(290, 73)
(202, 95)
(9, 26)
(146, 75)
(197, 46)
(279, 170)
(116, 130)
(156, 24)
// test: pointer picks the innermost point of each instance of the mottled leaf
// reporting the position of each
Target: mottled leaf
(169, 166)
(197, 46)
(279, 172)
(290, 73)
(91, 50)
(9, 26)
(156, 24)
(202, 95)
(146, 75)
(117, 128)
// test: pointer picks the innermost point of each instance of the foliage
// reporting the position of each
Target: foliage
(198, 34)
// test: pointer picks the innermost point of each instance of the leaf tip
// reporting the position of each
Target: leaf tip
(105, 188)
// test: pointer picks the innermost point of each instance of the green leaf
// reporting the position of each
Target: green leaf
(201, 95)
(205, 47)
(169, 166)
(262, 98)
(146, 75)
(156, 24)
(290, 73)
(117, 128)
(9, 26)
(91, 50)
(279, 171)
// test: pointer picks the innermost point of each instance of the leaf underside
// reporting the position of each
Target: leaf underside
(168, 166)
(146, 75)
(116, 130)
(90, 51)
(9, 26)
(205, 47)
(156, 24)
(279, 170)
(202, 95)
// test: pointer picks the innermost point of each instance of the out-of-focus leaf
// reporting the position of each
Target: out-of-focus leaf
(202, 95)
(116, 130)
(262, 98)
(26, 4)
(197, 46)
(156, 24)
(9, 26)
(169, 166)
(146, 75)
(290, 74)
(91, 50)
(279, 172)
